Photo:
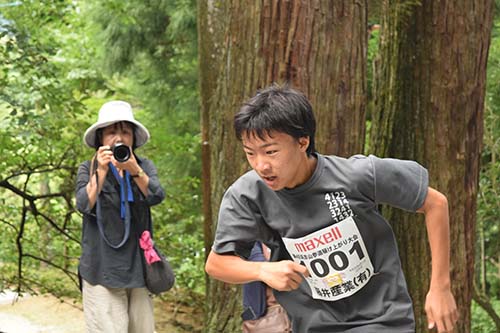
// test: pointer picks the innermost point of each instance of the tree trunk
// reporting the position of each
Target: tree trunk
(318, 47)
(429, 108)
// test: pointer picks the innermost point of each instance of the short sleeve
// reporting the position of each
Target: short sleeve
(399, 183)
(240, 224)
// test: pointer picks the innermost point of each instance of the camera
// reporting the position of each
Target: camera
(121, 152)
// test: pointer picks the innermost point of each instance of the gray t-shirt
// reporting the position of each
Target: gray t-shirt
(333, 226)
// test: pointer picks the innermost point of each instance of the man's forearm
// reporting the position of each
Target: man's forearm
(231, 268)
(438, 232)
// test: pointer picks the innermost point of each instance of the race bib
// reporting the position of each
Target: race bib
(336, 258)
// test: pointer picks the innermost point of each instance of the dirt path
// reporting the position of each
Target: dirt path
(47, 314)
(39, 314)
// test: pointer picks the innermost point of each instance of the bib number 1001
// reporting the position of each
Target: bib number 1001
(338, 260)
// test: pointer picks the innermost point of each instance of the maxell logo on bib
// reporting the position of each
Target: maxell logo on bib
(336, 258)
(326, 238)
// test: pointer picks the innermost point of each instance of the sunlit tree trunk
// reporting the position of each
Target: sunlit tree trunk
(319, 47)
(429, 108)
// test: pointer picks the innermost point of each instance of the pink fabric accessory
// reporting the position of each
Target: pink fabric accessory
(158, 274)
(146, 244)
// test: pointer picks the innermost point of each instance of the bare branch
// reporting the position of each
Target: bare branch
(5, 184)
(38, 169)
(25, 195)
(53, 224)
(72, 275)
(485, 303)
(10, 225)
(32, 206)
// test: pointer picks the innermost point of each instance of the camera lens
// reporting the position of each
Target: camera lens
(121, 152)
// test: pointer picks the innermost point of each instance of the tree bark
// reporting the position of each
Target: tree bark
(429, 108)
(319, 47)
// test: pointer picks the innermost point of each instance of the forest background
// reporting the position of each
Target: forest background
(61, 60)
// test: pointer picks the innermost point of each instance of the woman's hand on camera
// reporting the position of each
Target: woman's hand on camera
(130, 165)
(104, 156)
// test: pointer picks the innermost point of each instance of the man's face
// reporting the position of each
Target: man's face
(279, 159)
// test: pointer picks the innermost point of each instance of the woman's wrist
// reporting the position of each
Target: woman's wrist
(101, 169)
(138, 173)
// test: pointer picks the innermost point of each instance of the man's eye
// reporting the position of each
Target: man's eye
(271, 152)
(249, 153)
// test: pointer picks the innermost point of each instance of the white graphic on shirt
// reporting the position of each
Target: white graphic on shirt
(338, 205)
(336, 258)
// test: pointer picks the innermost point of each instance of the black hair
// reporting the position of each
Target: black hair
(98, 134)
(277, 108)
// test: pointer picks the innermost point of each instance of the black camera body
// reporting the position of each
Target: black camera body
(121, 152)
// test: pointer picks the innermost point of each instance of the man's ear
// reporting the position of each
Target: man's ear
(304, 143)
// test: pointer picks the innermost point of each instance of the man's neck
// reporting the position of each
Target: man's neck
(309, 167)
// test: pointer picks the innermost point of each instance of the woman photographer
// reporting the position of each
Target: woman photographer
(114, 192)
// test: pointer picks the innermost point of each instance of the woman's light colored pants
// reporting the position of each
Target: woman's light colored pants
(117, 310)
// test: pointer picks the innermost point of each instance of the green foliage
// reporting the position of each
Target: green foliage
(42, 116)
(481, 321)
(153, 45)
(488, 203)
(488, 209)
(178, 223)
(373, 61)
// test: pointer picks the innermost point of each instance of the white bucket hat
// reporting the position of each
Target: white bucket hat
(114, 112)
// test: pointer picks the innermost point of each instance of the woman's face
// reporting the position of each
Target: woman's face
(118, 132)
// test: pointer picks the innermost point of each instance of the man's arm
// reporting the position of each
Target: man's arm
(439, 304)
(282, 275)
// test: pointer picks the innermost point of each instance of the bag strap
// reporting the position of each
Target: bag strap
(99, 216)
(101, 227)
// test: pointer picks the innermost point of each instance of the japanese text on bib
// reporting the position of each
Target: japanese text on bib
(336, 258)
